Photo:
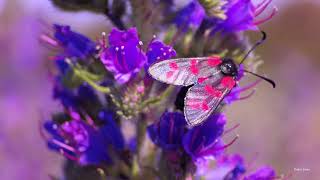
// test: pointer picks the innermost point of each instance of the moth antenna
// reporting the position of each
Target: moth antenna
(264, 78)
(264, 37)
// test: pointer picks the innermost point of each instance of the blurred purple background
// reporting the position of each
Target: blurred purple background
(279, 127)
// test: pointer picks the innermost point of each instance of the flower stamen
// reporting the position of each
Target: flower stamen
(227, 145)
(274, 12)
(248, 96)
(261, 7)
(231, 129)
(68, 155)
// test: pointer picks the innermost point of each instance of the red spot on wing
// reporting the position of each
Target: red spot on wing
(193, 62)
(194, 104)
(169, 74)
(173, 66)
(228, 82)
(205, 106)
(193, 67)
(194, 70)
(202, 79)
(214, 61)
(212, 91)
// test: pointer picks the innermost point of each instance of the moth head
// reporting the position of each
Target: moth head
(228, 67)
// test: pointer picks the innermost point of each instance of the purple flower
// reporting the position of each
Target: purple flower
(241, 15)
(190, 16)
(84, 143)
(157, 51)
(263, 173)
(74, 44)
(124, 58)
(62, 65)
(233, 166)
(168, 132)
(84, 95)
(228, 167)
(204, 140)
(119, 38)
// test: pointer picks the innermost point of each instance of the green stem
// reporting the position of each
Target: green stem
(85, 78)
(90, 79)
(157, 99)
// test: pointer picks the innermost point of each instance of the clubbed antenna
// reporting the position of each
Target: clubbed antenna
(264, 37)
(264, 78)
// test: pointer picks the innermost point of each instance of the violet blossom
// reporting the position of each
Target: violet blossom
(241, 16)
(83, 143)
(204, 140)
(169, 131)
(73, 43)
(125, 58)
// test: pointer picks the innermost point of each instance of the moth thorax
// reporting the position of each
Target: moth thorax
(229, 68)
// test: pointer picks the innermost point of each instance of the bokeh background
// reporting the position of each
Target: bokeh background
(279, 127)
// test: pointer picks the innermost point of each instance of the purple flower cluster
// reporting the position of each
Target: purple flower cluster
(170, 133)
(233, 167)
(73, 44)
(85, 142)
(124, 57)
(201, 144)
(240, 16)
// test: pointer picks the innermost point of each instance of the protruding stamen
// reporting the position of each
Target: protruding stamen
(231, 129)
(104, 44)
(68, 155)
(252, 161)
(229, 144)
(63, 145)
(74, 114)
(247, 87)
(261, 7)
(274, 12)
(90, 121)
(49, 40)
(261, 3)
(248, 96)
(154, 37)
